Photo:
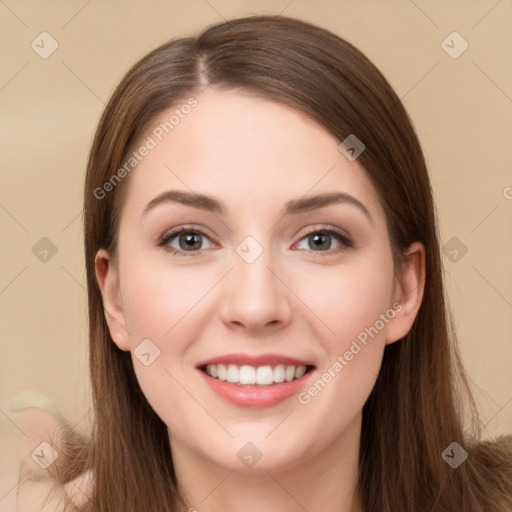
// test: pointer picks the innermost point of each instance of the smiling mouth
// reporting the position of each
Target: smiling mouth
(255, 376)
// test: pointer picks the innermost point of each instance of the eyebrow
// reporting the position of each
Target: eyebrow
(293, 207)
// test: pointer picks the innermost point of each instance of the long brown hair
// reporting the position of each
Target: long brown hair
(416, 408)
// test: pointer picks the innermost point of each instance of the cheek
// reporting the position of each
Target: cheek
(157, 296)
(348, 299)
(155, 299)
(349, 303)
(157, 302)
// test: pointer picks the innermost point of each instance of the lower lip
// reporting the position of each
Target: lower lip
(254, 397)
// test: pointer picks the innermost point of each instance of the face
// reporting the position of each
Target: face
(260, 283)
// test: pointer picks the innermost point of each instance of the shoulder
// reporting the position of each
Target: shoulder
(492, 460)
(38, 489)
(42, 495)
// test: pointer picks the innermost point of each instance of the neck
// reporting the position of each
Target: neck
(325, 481)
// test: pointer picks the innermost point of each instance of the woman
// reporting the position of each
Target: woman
(300, 356)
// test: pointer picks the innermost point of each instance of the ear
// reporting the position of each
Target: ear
(408, 293)
(107, 276)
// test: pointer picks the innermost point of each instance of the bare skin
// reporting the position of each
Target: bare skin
(255, 155)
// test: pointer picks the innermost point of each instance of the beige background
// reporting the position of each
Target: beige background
(462, 109)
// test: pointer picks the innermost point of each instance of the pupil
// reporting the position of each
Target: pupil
(319, 240)
(190, 241)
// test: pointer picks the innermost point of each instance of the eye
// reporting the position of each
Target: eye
(320, 240)
(184, 241)
(189, 241)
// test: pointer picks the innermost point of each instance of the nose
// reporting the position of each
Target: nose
(255, 296)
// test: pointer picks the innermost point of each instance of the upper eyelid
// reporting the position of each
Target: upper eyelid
(172, 233)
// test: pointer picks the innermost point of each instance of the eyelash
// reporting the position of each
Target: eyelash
(345, 242)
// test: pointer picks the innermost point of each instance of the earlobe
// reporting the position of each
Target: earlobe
(408, 294)
(107, 277)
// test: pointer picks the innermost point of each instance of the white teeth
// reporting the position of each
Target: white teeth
(221, 370)
(300, 371)
(247, 375)
(264, 375)
(289, 374)
(232, 373)
(250, 375)
(279, 373)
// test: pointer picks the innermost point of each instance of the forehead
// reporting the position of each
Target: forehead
(244, 150)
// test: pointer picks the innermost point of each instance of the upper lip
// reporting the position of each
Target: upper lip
(254, 360)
